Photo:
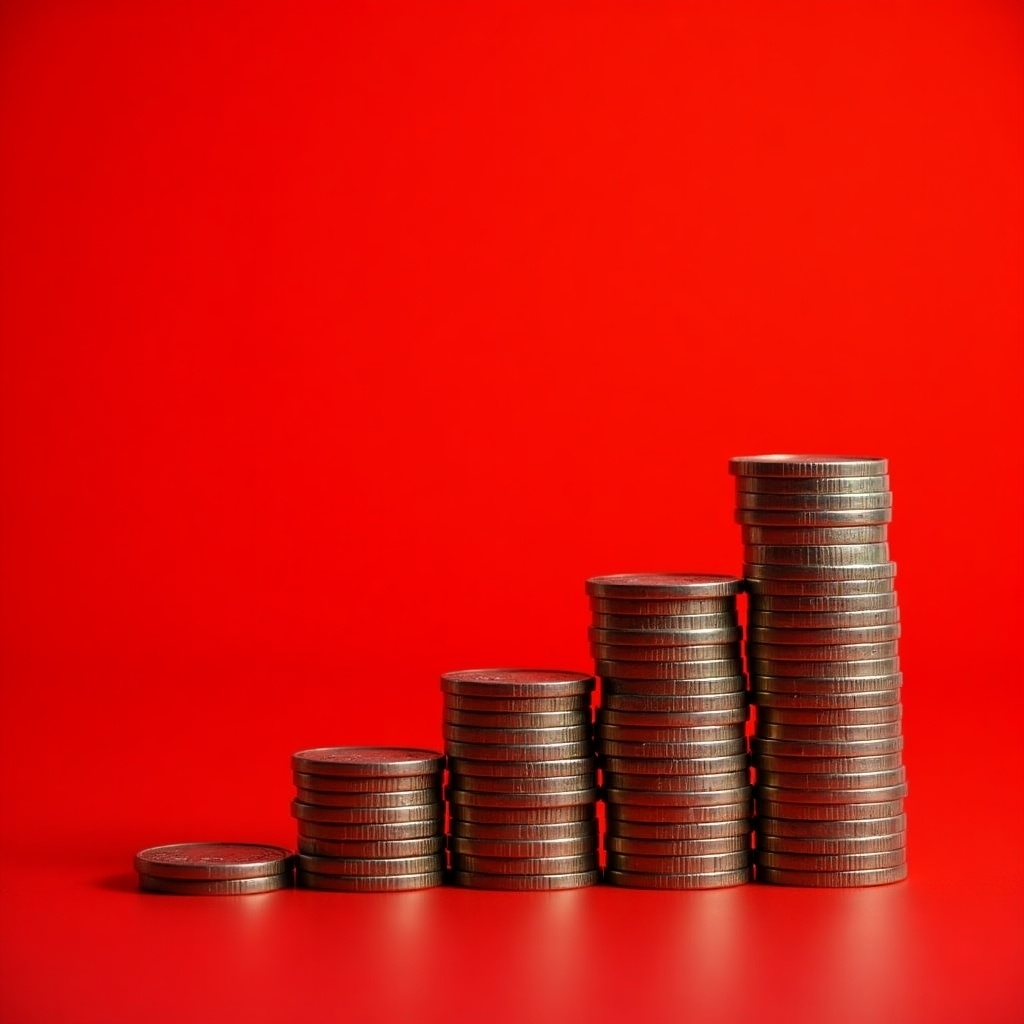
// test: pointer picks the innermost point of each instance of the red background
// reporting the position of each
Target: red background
(341, 342)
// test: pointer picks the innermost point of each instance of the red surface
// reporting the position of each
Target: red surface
(339, 344)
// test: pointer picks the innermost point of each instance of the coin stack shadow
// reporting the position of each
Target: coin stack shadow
(822, 649)
(522, 787)
(670, 730)
(370, 819)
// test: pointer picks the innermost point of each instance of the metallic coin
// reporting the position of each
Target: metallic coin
(681, 831)
(515, 833)
(365, 815)
(840, 812)
(676, 766)
(519, 850)
(376, 866)
(665, 816)
(579, 733)
(842, 660)
(678, 847)
(664, 638)
(814, 536)
(661, 655)
(213, 861)
(832, 879)
(813, 485)
(632, 862)
(831, 847)
(410, 798)
(671, 750)
(701, 880)
(820, 717)
(369, 883)
(373, 848)
(837, 734)
(720, 783)
(797, 684)
(522, 815)
(215, 887)
(822, 620)
(817, 555)
(832, 862)
(659, 798)
(873, 699)
(808, 465)
(773, 501)
(473, 798)
(813, 518)
(820, 580)
(720, 668)
(844, 635)
(517, 719)
(567, 865)
(831, 831)
(395, 831)
(368, 787)
(710, 704)
(519, 753)
(669, 623)
(770, 767)
(842, 787)
(825, 604)
(368, 761)
(460, 766)
(841, 749)
(516, 683)
(611, 686)
(659, 608)
(525, 883)
(645, 586)
(517, 705)
(606, 732)
(667, 723)
(560, 784)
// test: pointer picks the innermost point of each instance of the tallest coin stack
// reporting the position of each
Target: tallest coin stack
(822, 651)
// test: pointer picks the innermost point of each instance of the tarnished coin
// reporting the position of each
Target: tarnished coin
(652, 865)
(517, 705)
(606, 731)
(365, 815)
(645, 586)
(215, 886)
(817, 555)
(825, 700)
(844, 635)
(369, 883)
(663, 606)
(722, 703)
(681, 831)
(721, 668)
(524, 752)
(525, 883)
(517, 719)
(774, 501)
(815, 621)
(657, 798)
(820, 717)
(666, 816)
(667, 623)
(814, 466)
(533, 769)
(810, 587)
(664, 638)
(678, 848)
(845, 787)
(213, 861)
(363, 761)
(700, 880)
(817, 750)
(814, 536)
(770, 767)
(831, 847)
(560, 784)
(405, 798)
(832, 662)
(368, 788)
(511, 850)
(813, 517)
(831, 831)
(832, 879)
(730, 721)
(579, 733)
(373, 848)
(838, 812)
(376, 866)
(523, 815)
(672, 750)
(676, 766)
(660, 655)
(813, 485)
(803, 684)
(517, 683)
(565, 865)
(392, 832)
(720, 782)
(836, 734)
(530, 832)
(816, 603)
(832, 862)
(459, 798)
(715, 686)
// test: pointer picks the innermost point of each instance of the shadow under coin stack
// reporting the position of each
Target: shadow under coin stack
(370, 819)
(671, 730)
(522, 785)
(822, 649)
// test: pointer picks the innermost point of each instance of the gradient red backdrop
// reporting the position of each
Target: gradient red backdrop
(341, 342)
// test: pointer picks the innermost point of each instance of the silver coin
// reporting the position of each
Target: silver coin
(814, 536)
(523, 786)
(701, 653)
(664, 638)
(517, 720)
(700, 880)
(680, 831)
(770, 604)
(832, 862)
(669, 623)
(820, 580)
(524, 883)
(516, 683)
(721, 668)
(522, 815)
(813, 466)
(832, 847)
(833, 662)
(368, 761)
(354, 849)
(801, 684)
(677, 848)
(645, 586)
(773, 501)
(813, 485)
(366, 815)
(660, 607)
(666, 722)
(564, 865)
(820, 717)
(369, 883)
(215, 886)
(811, 589)
(653, 865)
(376, 866)
(518, 705)
(520, 801)
(461, 767)
(388, 832)
(578, 733)
(832, 879)
(533, 832)
(608, 732)
(818, 734)
(671, 750)
(640, 798)
(835, 749)
(831, 813)
(839, 787)
(522, 752)
(213, 861)
(664, 816)
(872, 699)
(831, 831)
(517, 850)
(722, 703)
(821, 555)
(758, 620)
(367, 787)
(793, 637)
(813, 518)
(676, 766)
(411, 798)
(770, 766)
(674, 687)
(723, 784)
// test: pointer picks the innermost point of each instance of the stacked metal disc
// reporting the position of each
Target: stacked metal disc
(822, 650)
(522, 787)
(371, 819)
(214, 869)
(671, 730)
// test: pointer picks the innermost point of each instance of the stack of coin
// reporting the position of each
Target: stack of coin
(371, 819)
(824, 669)
(214, 869)
(671, 730)
(522, 787)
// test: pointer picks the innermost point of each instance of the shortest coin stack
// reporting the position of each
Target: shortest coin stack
(214, 869)
(371, 819)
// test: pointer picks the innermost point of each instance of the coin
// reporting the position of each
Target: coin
(672, 721)
(836, 734)
(813, 517)
(713, 704)
(832, 862)
(700, 880)
(644, 586)
(675, 766)
(213, 861)
(846, 635)
(516, 719)
(832, 879)
(364, 761)
(719, 782)
(832, 831)
(215, 886)
(843, 660)
(608, 732)
(529, 769)
(821, 580)
(523, 815)
(823, 620)
(523, 883)
(665, 816)
(389, 832)
(817, 555)
(722, 668)
(839, 717)
(770, 604)
(502, 784)
(369, 788)
(798, 684)
(670, 750)
(814, 536)
(524, 752)
(578, 733)
(369, 883)
(770, 767)
(713, 687)
(872, 699)
(774, 501)
(375, 866)
(523, 849)
(365, 815)
(814, 466)
(661, 655)
(841, 787)
(663, 606)
(664, 637)
(680, 831)
(531, 832)
(669, 623)
(372, 848)
(564, 865)
(518, 683)
(652, 865)
(813, 485)
(831, 847)
(678, 847)
(836, 812)
(793, 749)
(517, 705)
(473, 798)
(660, 798)
(410, 798)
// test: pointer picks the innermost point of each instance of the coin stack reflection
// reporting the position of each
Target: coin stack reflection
(671, 730)
(522, 788)
(370, 819)
(822, 651)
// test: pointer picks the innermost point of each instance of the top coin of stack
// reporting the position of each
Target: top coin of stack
(214, 869)
(370, 819)
(822, 648)
(671, 729)
(522, 778)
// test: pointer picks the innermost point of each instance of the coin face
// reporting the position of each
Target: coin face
(363, 761)
(213, 861)
(788, 465)
(648, 586)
